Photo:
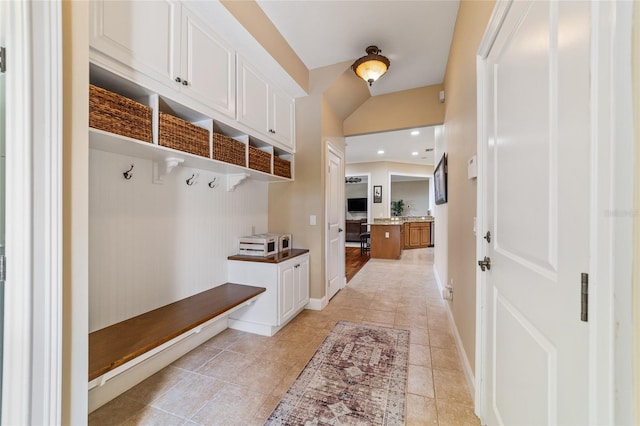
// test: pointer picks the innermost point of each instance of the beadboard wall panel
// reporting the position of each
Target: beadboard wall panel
(152, 244)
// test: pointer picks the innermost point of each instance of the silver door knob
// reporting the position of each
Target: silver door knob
(178, 79)
(340, 229)
(485, 264)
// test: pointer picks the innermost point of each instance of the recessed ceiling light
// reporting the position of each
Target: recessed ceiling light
(414, 153)
(380, 151)
(415, 133)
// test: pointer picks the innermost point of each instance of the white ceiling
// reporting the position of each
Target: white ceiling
(415, 35)
(398, 146)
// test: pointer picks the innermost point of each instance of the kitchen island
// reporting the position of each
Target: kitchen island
(389, 236)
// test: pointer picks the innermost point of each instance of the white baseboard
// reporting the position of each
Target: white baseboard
(464, 360)
(104, 390)
(317, 304)
(253, 327)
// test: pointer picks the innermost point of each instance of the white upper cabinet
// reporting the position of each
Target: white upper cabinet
(208, 66)
(281, 117)
(167, 43)
(141, 34)
(265, 108)
(253, 98)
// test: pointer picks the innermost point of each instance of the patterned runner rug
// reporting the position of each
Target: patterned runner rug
(358, 376)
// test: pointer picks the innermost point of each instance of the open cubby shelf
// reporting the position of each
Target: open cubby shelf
(170, 157)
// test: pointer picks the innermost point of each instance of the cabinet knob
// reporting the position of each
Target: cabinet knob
(271, 131)
(185, 83)
(178, 79)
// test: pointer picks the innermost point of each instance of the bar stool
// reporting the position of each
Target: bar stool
(365, 243)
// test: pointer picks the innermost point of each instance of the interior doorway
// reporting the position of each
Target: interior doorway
(410, 195)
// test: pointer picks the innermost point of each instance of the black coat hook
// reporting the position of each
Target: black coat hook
(128, 175)
(190, 181)
(213, 184)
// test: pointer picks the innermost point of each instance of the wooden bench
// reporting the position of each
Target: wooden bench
(113, 346)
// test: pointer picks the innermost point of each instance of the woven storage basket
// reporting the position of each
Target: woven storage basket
(281, 167)
(181, 135)
(229, 150)
(259, 159)
(114, 113)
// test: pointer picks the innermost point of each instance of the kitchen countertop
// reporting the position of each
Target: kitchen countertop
(274, 258)
(401, 220)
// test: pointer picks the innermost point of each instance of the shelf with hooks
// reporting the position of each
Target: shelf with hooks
(167, 159)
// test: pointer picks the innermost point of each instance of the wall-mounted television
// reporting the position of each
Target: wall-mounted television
(357, 204)
(440, 181)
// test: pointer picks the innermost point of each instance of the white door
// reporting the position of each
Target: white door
(334, 201)
(536, 142)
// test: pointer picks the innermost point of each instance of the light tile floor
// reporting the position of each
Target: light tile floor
(238, 378)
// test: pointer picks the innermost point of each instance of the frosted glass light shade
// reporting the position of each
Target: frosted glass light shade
(371, 67)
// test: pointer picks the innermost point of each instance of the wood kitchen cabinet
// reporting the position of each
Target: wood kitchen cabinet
(286, 278)
(386, 241)
(166, 42)
(417, 235)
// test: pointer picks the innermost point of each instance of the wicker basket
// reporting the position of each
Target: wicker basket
(181, 135)
(114, 113)
(229, 150)
(281, 167)
(259, 159)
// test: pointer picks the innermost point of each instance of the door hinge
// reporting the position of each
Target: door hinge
(3, 268)
(584, 297)
(3, 59)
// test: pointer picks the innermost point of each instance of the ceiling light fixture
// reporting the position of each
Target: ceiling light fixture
(372, 66)
(415, 133)
(414, 153)
(380, 152)
(353, 179)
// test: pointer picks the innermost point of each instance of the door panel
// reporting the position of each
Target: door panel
(140, 34)
(335, 220)
(210, 66)
(537, 210)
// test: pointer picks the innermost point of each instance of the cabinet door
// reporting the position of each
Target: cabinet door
(253, 98)
(281, 126)
(425, 235)
(287, 290)
(414, 236)
(143, 35)
(208, 66)
(302, 283)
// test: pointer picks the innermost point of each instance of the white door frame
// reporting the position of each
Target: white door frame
(330, 147)
(610, 393)
(33, 308)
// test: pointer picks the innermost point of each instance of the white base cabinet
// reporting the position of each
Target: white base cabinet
(287, 284)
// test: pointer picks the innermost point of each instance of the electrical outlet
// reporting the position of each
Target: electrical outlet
(447, 293)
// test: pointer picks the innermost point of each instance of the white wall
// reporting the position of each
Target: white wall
(441, 214)
(150, 244)
(415, 195)
(380, 172)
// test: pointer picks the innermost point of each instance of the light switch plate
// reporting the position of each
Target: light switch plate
(312, 219)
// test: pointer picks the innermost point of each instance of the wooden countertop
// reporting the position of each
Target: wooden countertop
(276, 258)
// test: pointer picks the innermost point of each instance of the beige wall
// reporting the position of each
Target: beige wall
(415, 195)
(291, 203)
(380, 171)
(75, 160)
(460, 137)
(400, 110)
(441, 229)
